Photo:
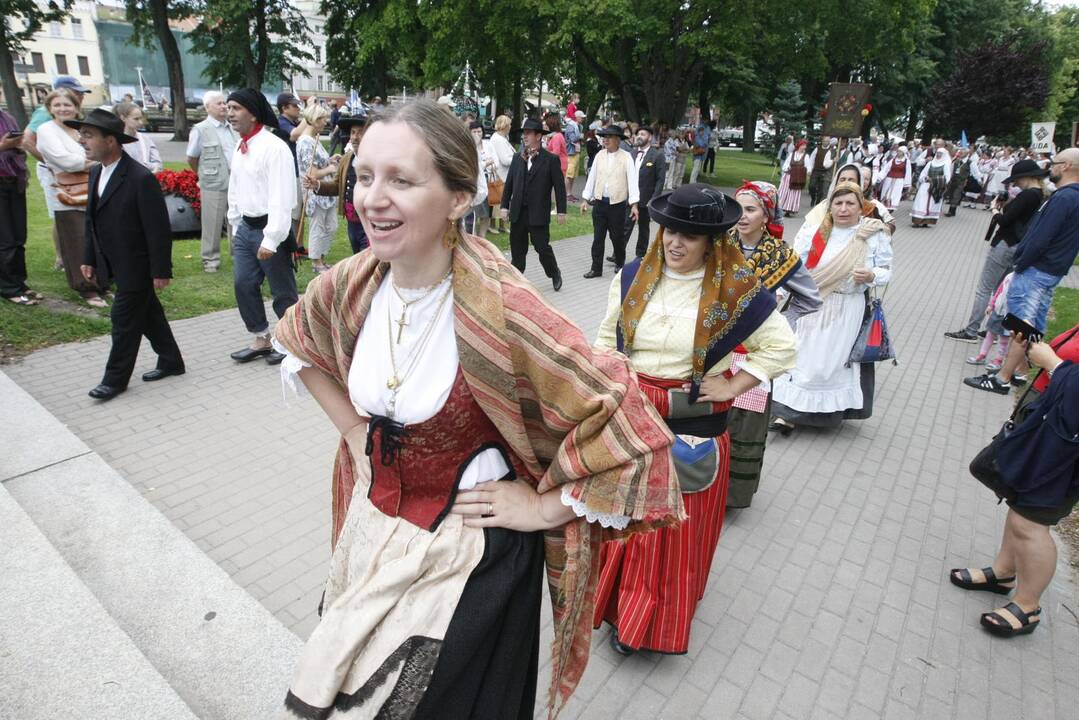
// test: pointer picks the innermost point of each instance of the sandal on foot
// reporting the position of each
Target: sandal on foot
(33, 294)
(961, 577)
(1001, 625)
(22, 300)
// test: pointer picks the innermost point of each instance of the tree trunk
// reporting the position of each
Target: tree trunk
(518, 103)
(749, 129)
(703, 102)
(262, 39)
(912, 121)
(12, 93)
(160, 14)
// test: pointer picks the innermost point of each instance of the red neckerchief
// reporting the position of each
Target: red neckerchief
(244, 138)
(816, 250)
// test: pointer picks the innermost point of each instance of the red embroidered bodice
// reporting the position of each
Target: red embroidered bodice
(415, 471)
(898, 169)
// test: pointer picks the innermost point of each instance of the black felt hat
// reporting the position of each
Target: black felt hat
(104, 121)
(347, 122)
(610, 131)
(696, 209)
(533, 125)
(1026, 168)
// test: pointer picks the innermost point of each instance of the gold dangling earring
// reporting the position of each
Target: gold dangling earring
(452, 236)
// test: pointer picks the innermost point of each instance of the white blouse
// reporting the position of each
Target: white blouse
(423, 390)
(62, 153)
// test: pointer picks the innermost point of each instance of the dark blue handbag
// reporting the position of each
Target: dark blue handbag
(874, 344)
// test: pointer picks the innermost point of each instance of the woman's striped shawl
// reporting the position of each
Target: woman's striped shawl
(573, 414)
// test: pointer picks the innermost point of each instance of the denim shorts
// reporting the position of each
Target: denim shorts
(1031, 294)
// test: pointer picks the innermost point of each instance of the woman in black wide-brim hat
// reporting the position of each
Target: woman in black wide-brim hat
(678, 313)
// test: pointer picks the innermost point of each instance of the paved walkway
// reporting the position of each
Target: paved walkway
(828, 598)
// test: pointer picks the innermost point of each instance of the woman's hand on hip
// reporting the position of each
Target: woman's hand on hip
(512, 504)
(714, 388)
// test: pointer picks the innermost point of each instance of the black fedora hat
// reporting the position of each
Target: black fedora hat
(534, 125)
(1026, 168)
(695, 209)
(611, 131)
(104, 121)
(347, 122)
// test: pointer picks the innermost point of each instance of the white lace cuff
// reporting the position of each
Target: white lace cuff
(618, 522)
(290, 368)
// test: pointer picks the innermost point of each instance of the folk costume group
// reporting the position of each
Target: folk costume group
(485, 441)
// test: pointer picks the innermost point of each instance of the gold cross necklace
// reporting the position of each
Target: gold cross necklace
(405, 304)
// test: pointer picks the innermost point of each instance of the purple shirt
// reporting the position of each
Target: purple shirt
(12, 162)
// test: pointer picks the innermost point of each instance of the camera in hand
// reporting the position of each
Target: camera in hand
(1018, 326)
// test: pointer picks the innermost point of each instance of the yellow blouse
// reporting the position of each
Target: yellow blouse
(663, 344)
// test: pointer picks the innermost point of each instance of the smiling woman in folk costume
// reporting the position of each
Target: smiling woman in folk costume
(782, 273)
(846, 255)
(931, 185)
(679, 313)
(482, 438)
(896, 175)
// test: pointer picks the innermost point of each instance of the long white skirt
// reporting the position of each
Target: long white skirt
(821, 382)
(891, 192)
(925, 207)
(790, 200)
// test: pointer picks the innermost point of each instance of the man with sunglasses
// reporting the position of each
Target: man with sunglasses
(1042, 259)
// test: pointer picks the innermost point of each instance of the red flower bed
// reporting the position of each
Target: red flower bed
(184, 184)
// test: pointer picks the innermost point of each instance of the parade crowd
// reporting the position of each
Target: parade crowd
(486, 441)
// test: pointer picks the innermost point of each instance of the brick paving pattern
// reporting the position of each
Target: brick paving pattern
(828, 597)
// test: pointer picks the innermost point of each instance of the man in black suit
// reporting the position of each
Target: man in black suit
(129, 241)
(526, 201)
(651, 172)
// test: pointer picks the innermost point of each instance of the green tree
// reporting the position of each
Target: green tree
(1064, 95)
(150, 22)
(249, 42)
(788, 112)
(20, 20)
(987, 95)
(373, 45)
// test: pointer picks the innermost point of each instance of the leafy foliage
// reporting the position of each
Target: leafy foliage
(995, 89)
(30, 16)
(249, 42)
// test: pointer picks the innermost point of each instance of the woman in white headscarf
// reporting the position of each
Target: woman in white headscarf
(932, 181)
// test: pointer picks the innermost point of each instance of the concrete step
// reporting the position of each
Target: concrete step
(61, 655)
(222, 652)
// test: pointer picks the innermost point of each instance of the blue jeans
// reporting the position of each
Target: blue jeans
(248, 272)
(1031, 294)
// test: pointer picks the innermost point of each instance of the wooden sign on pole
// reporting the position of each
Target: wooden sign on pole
(843, 114)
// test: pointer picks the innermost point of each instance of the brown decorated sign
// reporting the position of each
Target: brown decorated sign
(843, 114)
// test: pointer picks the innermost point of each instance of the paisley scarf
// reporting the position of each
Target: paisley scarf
(733, 303)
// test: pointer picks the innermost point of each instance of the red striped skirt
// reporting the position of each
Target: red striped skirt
(650, 584)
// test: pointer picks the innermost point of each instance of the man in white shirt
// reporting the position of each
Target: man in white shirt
(612, 183)
(262, 195)
(209, 152)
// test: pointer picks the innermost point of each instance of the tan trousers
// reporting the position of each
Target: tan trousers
(215, 207)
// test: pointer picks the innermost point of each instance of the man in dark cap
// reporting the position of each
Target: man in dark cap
(526, 201)
(289, 127)
(262, 195)
(129, 241)
(344, 180)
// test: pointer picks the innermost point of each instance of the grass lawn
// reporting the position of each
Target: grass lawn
(1065, 312)
(194, 292)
